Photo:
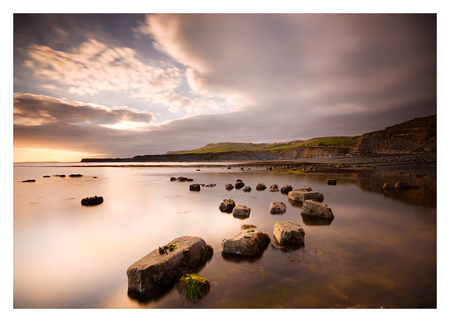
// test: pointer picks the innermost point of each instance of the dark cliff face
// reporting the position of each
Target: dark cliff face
(415, 136)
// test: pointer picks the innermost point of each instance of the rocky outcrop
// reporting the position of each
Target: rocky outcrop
(157, 269)
(247, 243)
(288, 233)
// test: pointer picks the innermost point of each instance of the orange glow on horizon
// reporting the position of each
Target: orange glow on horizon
(48, 155)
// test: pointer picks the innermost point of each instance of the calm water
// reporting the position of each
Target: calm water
(380, 250)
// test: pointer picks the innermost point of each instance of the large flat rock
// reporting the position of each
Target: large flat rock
(163, 268)
(289, 233)
(247, 243)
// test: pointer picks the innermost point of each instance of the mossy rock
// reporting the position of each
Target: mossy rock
(193, 286)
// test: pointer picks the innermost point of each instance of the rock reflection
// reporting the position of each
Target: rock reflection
(153, 295)
(316, 221)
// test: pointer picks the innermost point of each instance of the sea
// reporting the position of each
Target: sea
(379, 251)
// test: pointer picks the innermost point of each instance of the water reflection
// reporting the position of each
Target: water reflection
(379, 241)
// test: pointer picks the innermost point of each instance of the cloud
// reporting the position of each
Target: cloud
(312, 65)
(93, 67)
(35, 110)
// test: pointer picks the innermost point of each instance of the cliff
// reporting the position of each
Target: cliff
(415, 136)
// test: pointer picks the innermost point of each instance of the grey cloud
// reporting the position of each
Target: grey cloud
(40, 109)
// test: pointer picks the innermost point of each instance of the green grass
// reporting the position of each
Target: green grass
(343, 142)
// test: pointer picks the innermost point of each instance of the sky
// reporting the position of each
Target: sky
(121, 85)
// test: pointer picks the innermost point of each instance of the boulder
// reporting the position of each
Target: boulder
(402, 185)
(249, 243)
(181, 179)
(74, 175)
(316, 209)
(173, 179)
(241, 211)
(194, 187)
(277, 207)
(273, 188)
(92, 201)
(229, 186)
(285, 188)
(260, 186)
(158, 268)
(246, 189)
(288, 233)
(227, 205)
(193, 286)
(305, 189)
(388, 186)
(332, 182)
(301, 196)
(29, 180)
(46, 176)
(239, 185)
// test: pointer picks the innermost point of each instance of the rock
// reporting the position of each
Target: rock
(332, 182)
(246, 243)
(181, 179)
(301, 196)
(247, 189)
(210, 185)
(247, 226)
(285, 189)
(173, 179)
(227, 205)
(229, 186)
(74, 175)
(273, 188)
(29, 180)
(155, 269)
(277, 207)
(402, 185)
(92, 201)
(388, 186)
(260, 186)
(239, 185)
(316, 209)
(193, 286)
(288, 233)
(189, 179)
(47, 176)
(194, 187)
(241, 211)
(306, 189)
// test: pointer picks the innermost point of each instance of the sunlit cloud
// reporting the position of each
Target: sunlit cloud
(47, 155)
(93, 67)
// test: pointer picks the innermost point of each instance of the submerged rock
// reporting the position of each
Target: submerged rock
(193, 286)
(288, 233)
(227, 205)
(285, 188)
(156, 270)
(246, 243)
(277, 207)
(316, 209)
(92, 201)
(241, 211)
